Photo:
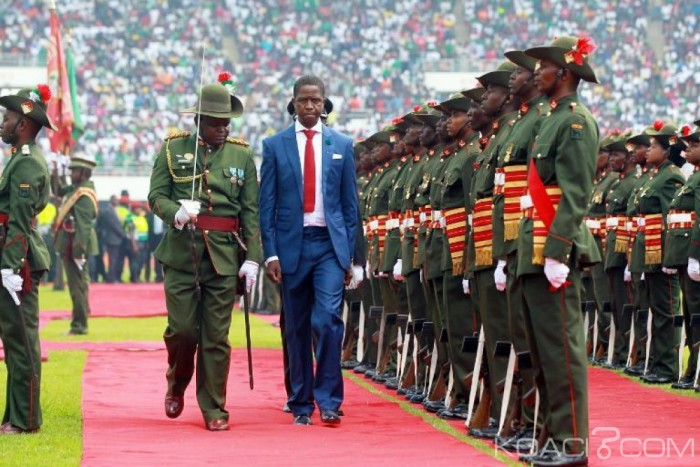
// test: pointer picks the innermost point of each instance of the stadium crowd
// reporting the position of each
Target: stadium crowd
(139, 62)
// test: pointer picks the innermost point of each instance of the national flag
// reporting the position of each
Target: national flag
(60, 108)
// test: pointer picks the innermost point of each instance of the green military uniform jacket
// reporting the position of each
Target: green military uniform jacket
(24, 192)
(413, 180)
(564, 155)
(227, 186)
(392, 245)
(616, 206)
(379, 205)
(455, 183)
(635, 258)
(435, 235)
(678, 239)
(482, 183)
(83, 241)
(514, 151)
(655, 198)
(423, 199)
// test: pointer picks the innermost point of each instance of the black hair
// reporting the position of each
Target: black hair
(309, 80)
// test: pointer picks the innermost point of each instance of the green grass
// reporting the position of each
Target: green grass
(263, 335)
(60, 441)
(50, 299)
(435, 422)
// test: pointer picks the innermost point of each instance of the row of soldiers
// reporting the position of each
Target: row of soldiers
(494, 247)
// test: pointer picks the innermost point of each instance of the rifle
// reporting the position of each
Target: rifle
(483, 410)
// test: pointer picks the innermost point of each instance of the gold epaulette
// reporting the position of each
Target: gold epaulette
(237, 141)
(174, 134)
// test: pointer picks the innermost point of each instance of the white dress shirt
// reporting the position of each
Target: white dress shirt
(316, 218)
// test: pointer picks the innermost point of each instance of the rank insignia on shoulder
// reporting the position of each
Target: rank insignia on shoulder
(238, 141)
(175, 134)
(24, 189)
(576, 131)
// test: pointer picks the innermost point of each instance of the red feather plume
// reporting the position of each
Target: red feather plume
(416, 108)
(583, 48)
(685, 131)
(44, 92)
(225, 76)
(432, 103)
(658, 125)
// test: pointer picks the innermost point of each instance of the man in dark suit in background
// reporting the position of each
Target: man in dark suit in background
(308, 223)
(111, 236)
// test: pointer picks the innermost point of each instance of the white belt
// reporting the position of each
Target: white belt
(679, 217)
(499, 179)
(612, 222)
(443, 222)
(629, 225)
(641, 222)
(392, 224)
(526, 202)
(469, 220)
(409, 222)
(593, 224)
(437, 215)
(374, 225)
(422, 217)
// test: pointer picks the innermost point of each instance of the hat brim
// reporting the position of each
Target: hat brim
(475, 94)
(81, 165)
(616, 146)
(496, 78)
(520, 59)
(428, 119)
(236, 110)
(37, 114)
(642, 139)
(556, 55)
(461, 104)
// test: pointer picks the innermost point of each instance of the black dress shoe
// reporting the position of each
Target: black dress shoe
(401, 391)
(557, 459)
(660, 379)
(286, 409)
(174, 405)
(360, 369)
(455, 413)
(490, 432)
(341, 413)
(330, 417)
(392, 383)
(634, 370)
(370, 374)
(302, 420)
(377, 378)
(521, 442)
(10, 429)
(416, 398)
(217, 425)
(349, 364)
(684, 384)
(434, 406)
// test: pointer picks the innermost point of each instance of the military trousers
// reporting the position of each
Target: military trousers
(460, 321)
(19, 330)
(493, 311)
(640, 305)
(78, 285)
(620, 295)
(664, 302)
(199, 326)
(601, 293)
(555, 333)
(691, 306)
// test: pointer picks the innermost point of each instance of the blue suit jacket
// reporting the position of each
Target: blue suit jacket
(281, 197)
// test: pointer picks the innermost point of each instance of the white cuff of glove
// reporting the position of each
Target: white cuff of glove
(397, 271)
(13, 283)
(669, 271)
(499, 276)
(80, 262)
(358, 276)
(627, 277)
(694, 269)
(465, 287)
(642, 278)
(189, 210)
(249, 271)
(556, 272)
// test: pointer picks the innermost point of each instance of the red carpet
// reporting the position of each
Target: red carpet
(124, 422)
(127, 300)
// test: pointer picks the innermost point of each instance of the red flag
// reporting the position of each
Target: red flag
(60, 108)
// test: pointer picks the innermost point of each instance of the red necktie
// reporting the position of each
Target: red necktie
(309, 172)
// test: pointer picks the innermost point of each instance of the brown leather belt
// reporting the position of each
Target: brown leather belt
(218, 224)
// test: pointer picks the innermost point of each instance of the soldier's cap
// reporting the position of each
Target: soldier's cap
(456, 102)
(475, 94)
(427, 114)
(617, 141)
(520, 59)
(568, 52)
(81, 160)
(217, 100)
(602, 145)
(327, 108)
(665, 134)
(640, 138)
(31, 103)
(687, 134)
(385, 135)
(498, 77)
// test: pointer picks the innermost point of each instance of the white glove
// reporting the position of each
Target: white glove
(443, 222)
(358, 275)
(628, 275)
(465, 287)
(249, 270)
(189, 210)
(80, 262)
(642, 278)
(499, 277)
(397, 271)
(12, 282)
(694, 269)
(420, 275)
(556, 272)
(669, 271)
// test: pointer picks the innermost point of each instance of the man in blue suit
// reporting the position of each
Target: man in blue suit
(308, 222)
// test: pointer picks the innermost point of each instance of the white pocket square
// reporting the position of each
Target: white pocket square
(337, 156)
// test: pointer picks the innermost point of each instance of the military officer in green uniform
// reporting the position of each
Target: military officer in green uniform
(24, 258)
(510, 185)
(654, 204)
(633, 271)
(595, 221)
(76, 239)
(200, 253)
(681, 250)
(554, 243)
(616, 241)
